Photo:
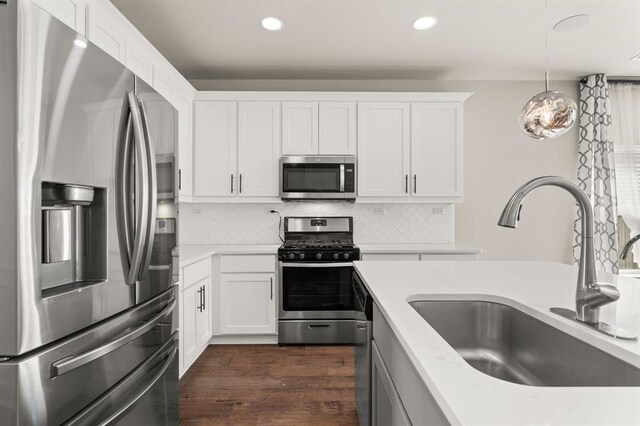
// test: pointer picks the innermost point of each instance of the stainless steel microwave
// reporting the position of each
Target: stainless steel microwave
(318, 178)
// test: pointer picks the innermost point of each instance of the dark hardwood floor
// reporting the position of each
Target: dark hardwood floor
(269, 385)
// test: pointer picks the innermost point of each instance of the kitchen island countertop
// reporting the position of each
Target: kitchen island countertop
(470, 397)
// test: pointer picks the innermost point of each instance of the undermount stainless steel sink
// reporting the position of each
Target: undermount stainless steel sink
(505, 343)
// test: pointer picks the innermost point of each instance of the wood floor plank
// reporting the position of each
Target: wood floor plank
(270, 385)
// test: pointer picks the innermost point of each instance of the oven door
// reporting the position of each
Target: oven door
(316, 291)
(313, 178)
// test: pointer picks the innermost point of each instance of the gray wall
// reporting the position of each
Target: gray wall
(498, 159)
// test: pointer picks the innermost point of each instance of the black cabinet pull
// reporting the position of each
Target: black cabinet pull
(240, 191)
(232, 183)
(204, 298)
(271, 279)
(406, 184)
(415, 183)
(179, 179)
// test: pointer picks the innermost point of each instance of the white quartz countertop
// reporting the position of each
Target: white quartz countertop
(470, 397)
(191, 253)
(417, 248)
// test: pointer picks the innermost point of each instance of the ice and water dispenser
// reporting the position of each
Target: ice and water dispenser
(74, 236)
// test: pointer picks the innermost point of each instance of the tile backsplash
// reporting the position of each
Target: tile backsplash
(373, 223)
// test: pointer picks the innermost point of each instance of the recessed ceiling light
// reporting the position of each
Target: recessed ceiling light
(572, 23)
(425, 23)
(272, 24)
(80, 43)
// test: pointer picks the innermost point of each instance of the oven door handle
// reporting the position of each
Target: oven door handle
(318, 265)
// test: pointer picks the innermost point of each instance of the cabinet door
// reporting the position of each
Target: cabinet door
(386, 406)
(162, 122)
(203, 322)
(436, 150)
(183, 106)
(70, 12)
(214, 149)
(247, 304)
(138, 60)
(106, 33)
(383, 149)
(188, 340)
(258, 149)
(337, 134)
(299, 128)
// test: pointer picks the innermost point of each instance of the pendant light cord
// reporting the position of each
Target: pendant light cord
(546, 45)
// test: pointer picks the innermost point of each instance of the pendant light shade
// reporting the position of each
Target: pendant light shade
(548, 114)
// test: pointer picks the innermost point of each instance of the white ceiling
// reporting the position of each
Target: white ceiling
(374, 39)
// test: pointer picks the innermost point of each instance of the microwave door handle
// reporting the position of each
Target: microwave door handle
(341, 177)
(125, 210)
(152, 199)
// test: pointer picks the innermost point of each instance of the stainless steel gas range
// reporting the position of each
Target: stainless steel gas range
(316, 267)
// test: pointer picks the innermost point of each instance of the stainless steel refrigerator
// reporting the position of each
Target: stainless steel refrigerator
(87, 299)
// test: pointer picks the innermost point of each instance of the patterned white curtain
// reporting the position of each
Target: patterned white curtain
(596, 171)
(625, 114)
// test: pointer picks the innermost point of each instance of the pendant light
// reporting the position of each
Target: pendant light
(550, 113)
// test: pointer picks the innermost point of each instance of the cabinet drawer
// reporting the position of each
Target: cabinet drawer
(248, 263)
(196, 272)
(420, 405)
(391, 256)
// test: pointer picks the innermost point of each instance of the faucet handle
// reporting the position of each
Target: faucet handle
(601, 294)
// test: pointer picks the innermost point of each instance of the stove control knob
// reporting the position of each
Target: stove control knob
(346, 256)
(319, 256)
(301, 256)
(336, 256)
(291, 256)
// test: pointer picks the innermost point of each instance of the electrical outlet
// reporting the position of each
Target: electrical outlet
(379, 211)
(438, 211)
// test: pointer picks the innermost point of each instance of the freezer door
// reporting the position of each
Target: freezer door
(54, 385)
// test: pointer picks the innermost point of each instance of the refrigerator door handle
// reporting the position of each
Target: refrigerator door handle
(152, 198)
(141, 215)
(72, 362)
(87, 415)
(125, 211)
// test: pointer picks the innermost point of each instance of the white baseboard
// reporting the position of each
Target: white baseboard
(243, 340)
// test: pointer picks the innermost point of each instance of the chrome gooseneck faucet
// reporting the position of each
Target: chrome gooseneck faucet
(590, 295)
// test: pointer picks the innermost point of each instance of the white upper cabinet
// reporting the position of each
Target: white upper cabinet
(162, 81)
(408, 147)
(185, 149)
(337, 123)
(312, 128)
(299, 128)
(104, 30)
(139, 60)
(436, 150)
(215, 147)
(71, 12)
(258, 149)
(383, 149)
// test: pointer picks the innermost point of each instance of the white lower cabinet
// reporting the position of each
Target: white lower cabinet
(386, 406)
(195, 312)
(247, 304)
